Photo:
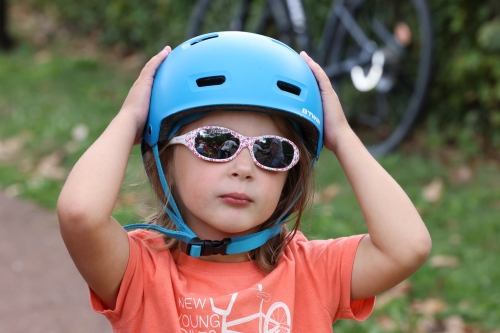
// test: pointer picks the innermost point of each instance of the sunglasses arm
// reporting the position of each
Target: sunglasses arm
(181, 139)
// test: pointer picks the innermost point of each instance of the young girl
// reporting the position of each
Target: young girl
(217, 256)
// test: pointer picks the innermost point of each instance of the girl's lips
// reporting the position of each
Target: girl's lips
(238, 199)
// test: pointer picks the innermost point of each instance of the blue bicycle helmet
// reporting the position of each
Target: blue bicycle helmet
(234, 71)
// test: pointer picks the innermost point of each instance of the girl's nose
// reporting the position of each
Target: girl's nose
(243, 166)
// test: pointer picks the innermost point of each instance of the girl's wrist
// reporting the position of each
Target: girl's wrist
(130, 121)
(349, 144)
(338, 138)
(126, 123)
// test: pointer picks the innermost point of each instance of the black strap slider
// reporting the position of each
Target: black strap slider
(208, 247)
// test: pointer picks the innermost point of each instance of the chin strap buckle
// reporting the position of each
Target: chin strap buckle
(197, 247)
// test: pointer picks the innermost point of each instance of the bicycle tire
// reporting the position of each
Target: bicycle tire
(391, 131)
(206, 18)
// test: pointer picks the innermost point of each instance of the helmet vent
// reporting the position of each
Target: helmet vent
(288, 87)
(211, 81)
(204, 39)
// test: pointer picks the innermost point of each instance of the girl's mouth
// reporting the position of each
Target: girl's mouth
(238, 199)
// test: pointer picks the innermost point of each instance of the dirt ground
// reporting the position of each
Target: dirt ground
(40, 288)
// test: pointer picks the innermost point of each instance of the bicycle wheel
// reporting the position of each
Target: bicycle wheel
(259, 16)
(277, 319)
(379, 63)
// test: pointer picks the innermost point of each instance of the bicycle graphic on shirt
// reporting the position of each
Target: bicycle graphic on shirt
(276, 320)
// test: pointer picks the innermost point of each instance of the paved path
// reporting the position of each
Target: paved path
(40, 289)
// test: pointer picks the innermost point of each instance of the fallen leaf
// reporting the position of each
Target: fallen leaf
(35, 183)
(444, 261)
(10, 147)
(400, 290)
(386, 323)
(70, 147)
(428, 307)
(130, 198)
(327, 194)
(465, 305)
(49, 166)
(461, 175)
(80, 132)
(13, 190)
(454, 324)
(433, 191)
(134, 61)
(427, 325)
(127, 199)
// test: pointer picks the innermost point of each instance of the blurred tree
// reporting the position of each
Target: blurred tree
(6, 42)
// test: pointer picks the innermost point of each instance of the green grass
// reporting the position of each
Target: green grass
(43, 101)
(464, 224)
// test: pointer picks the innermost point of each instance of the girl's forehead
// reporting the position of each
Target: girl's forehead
(245, 123)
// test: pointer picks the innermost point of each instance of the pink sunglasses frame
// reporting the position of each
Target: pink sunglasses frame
(245, 141)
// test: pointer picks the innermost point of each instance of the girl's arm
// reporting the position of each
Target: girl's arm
(398, 242)
(97, 243)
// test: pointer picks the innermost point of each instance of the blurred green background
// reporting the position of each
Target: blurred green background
(74, 62)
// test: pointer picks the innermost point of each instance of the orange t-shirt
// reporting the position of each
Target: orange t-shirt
(307, 292)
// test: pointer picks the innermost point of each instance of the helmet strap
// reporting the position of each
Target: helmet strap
(197, 247)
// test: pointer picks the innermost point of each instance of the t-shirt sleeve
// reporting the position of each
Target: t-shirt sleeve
(130, 296)
(330, 264)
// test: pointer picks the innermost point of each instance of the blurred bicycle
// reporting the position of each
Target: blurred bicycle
(377, 53)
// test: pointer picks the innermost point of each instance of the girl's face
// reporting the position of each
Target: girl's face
(228, 199)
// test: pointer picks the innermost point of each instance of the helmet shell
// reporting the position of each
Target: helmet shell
(236, 71)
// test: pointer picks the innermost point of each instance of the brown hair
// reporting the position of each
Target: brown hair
(299, 184)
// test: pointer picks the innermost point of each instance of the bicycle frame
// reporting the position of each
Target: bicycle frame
(290, 19)
(339, 17)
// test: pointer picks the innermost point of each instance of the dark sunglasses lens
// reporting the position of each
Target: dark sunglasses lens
(273, 153)
(218, 143)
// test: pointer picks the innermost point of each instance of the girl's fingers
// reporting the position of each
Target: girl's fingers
(319, 73)
(334, 118)
(325, 86)
(137, 101)
(150, 69)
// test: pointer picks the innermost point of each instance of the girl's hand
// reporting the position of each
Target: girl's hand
(137, 101)
(335, 122)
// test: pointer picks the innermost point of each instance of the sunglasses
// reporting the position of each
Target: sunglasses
(220, 144)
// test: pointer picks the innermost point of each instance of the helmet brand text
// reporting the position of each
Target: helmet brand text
(311, 115)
